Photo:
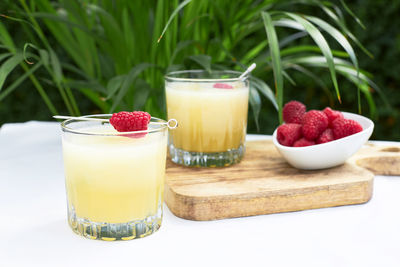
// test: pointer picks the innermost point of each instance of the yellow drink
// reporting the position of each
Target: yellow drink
(114, 180)
(210, 119)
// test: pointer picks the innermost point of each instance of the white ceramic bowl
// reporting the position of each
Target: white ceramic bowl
(329, 154)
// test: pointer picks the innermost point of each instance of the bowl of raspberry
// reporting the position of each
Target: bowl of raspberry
(319, 139)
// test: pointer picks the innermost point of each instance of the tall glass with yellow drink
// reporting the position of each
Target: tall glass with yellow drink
(211, 108)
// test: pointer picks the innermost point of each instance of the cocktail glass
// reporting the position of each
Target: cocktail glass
(211, 108)
(114, 181)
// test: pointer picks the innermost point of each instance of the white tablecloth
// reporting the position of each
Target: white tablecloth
(34, 229)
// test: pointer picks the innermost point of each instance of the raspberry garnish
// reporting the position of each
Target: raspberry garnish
(332, 115)
(293, 112)
(326, 136)
(288, 133)
(130, 121)
(303, 142)
(314, 123)
(223, 86)
(344, 127)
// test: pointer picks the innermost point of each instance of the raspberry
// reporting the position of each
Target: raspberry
(326, 136)
(303, 142)
(332, 115)
(314, 123)
(344, 127)
(223, 86)
(288, 133)
(293, 112)
(130, 121)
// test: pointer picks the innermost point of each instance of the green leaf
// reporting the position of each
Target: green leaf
(4, 56)
(114, 84)
(322, 43)
(5, 38)
(345, 30)
(140, 96)
(351, 71)
(179, 47)
(339, 37)
(17, 82)
(41, 91)
(252, 53)
(288, 39)
(44, 56)
(96, 98)
(261, 86)
(75, 70)
(226, 52)
(128, 81)
(129, 38)
(37, 30)
(26, 46)
(343, 42)
(9, 66)
(348, 10)
(255, 103)
(174, 13)
(289, 24)
(365, 89)
(310, 74)
(203, 60)
(276, 60)
(320, 60)
(343, 67)
(287, 76)
(175, 67)
(57, 18)
(313, 76)
(309, 48)
(55, 64)
(93, 85)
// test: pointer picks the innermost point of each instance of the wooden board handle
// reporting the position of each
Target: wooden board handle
(380, 159)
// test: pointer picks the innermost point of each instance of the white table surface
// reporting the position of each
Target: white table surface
(34, 229)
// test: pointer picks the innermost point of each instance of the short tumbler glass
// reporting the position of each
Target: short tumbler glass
(211, 108)
(114, 181)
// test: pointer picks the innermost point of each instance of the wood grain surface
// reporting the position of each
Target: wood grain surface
(380, 159)
(264, 183)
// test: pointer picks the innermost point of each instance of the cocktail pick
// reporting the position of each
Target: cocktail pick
(171, 123)
(249, 69)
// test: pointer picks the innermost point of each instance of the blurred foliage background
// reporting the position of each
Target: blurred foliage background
(381, 38)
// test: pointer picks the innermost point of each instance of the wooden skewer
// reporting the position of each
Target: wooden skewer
(79, 118)
(171, 124)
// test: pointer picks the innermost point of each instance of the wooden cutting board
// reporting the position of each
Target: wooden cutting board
(264, 183)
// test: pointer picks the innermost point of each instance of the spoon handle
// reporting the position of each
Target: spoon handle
(249, 69)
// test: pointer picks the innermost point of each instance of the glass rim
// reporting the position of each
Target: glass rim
(170, 78)
(161, 125)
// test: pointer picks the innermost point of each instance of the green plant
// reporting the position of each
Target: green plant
(111, 51)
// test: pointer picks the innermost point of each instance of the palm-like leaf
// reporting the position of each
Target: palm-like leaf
(276, 60)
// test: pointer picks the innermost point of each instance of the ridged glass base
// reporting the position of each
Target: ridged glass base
(201, 159)
(115, 231)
